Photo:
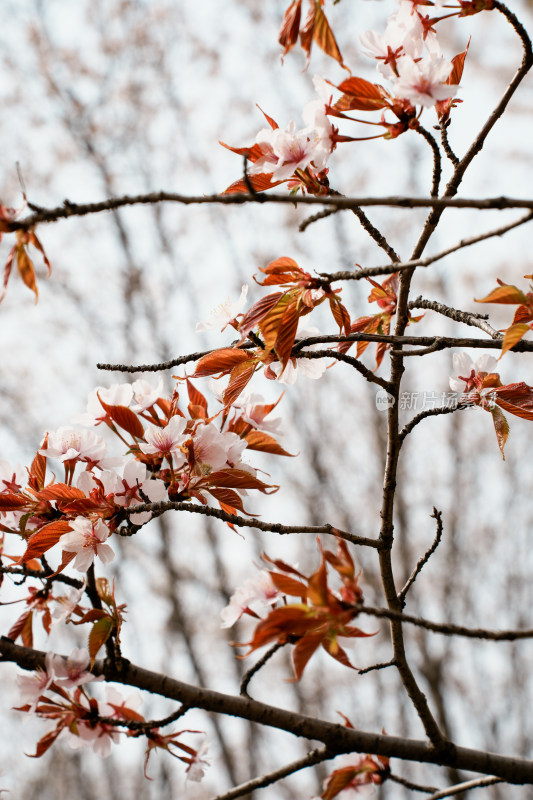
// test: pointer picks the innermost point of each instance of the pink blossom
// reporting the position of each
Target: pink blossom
(65, 604)
(115, 702)
(423, 82)
(198, 763)
(32, 686)
(71, 671)
(70, 444)
(214, 450)
(12, 479)
(167, 441)
(128, 488)
(467, 371)
(119, 394)
(225, 313)
(257, 594)
(312, 368)
(87, 540)
(145, 395)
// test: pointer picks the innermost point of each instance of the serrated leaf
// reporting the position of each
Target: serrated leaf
(223, 360)
(26, 270)
(287, 585)
(22, 627)
(506, 294)
(258, 440)
(288, 35)
(239, 379)
(360, 95)
(501, 426)
(258, 311)
(125, 418)
(44, 539)
(287, 334)
(324, 37)
(303, 650)
(259, 183)
(100, 633)
(513, 334)
(61, 491)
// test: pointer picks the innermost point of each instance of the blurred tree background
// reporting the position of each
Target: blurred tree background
(107, 97)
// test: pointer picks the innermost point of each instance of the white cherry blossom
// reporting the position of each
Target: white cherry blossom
(424, 82)
(198, 763)
(127, 490)
(87, 540)
(68, 444)
(257, 593)
(465, 369)
(145, 395)
(223, 314)
(167, 441)
(119, 394)
(214, 450)
(71, 671)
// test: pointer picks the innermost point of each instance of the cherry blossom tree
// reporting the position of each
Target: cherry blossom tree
(149, 452)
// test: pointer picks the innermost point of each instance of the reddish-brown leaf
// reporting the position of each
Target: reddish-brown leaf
(258, 311)
(228, 498)
(289, 586)
(38, 468)
(458, 62)
(198, 403)
(287, 333)
(239, 479)
(303, 650)
(46, 742)
(271, 323)
(516, 398)
(26, 270)
(340, 314)
(258, 440)
(12, 502)
(288, 35)
(501, 426)
(361, 95)
(259, 183)
(239, 379)
(125, 418)
(22, 627)
(61, 491)
(44, 539)
(100, 633)
(513, 334)
(505, 294)
(339, 780)
(323, 35)
(223, 360)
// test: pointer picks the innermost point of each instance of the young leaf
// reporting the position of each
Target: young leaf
(501, 426)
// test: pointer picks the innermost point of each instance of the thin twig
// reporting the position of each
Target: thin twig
(327, 212)
(430, 412)
(358, 274)
(235, 519)
(448, 629)
(247, 677)
(478, 783)
(414, 787)
(437, 515)
(314, 757)
(446, 144)
(437, 163)
(374, 667)
(468, 318)
(354, 362)
(69, 209)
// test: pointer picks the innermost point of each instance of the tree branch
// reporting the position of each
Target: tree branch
(337, 738)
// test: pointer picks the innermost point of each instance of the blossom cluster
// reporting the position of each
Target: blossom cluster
(58, 694)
